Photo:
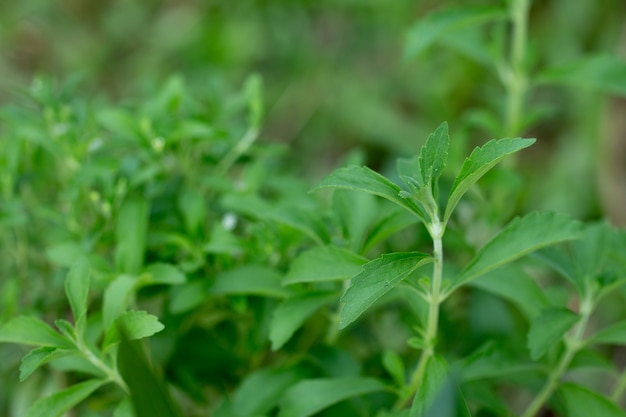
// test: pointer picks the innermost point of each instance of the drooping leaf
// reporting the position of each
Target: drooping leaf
(131, 232)
(429, 29)
(516, 286)
(377, 278)
(58, 403)
(38, 357)
(614, 334)
(77, 285)
(480, 161)
(582, 402)
(116, 298)
(605, 74)
(366, 180)
(292, 313)
(250, 280)
(548, 328)
(262, 390)
(434, 154)
(148, 392)
(324, 263)
(313, 395)
(32, 331)
(520, 237)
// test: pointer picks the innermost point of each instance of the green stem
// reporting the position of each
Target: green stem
(572, 346)
(111, 373)
(515, 80)
(435, 298)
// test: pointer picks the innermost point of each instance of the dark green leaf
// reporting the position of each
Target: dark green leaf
(548, 328)
(430, 29)
(311, 396)
(62, 401)
(290, 315)
(250, 280)
(324, 263)
(582, 402)
(366, 180)
(518, 238)
(32, 331)
(481, 160)
(377, 278)
(77, 287)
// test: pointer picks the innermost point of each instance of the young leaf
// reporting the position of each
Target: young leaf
(38, 357)
(290, 315)
(32, 331)
(135, 324)
(324, 263)
(77, 287)
(518, 238)
(434, 155)
(131, 230)
(366, 180)
(262, 390)
(60, 402)
(612, 335)
(548, 328)
(377, 278)
(582, 402)
(250, 280)
(429, 29)
(481, 160)
(313, 395)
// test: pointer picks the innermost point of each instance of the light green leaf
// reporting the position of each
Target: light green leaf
(62, 401)
(432, 27)
(516, 286)
(290, 315)
(612, 335)
(313, 395)
(582, 402)
(434, 155)
(250, 280)
(77, 285)
(262, 390)
(32, 331)
(130, 233)
(116, 297)
(377, 278)
(366, 180)
(135, 324)
(38, 357)
(520, 237)
(160, 273)
(548, 328)
(603, 73)
(324, 263)
(480, 161)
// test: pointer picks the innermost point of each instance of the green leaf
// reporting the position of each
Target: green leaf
(392, 362)
(60, 402)
(131, 231)
(262, 390)
(431, 28)
(434, 155)
(582, 402)
(290, 315)
(612, 335)
(148, 392)
(589, 253)
(548, 328)
(377, 278)
(77, 287)
(480, 161)
(116, 298)
(602, 73)
(366, 180)
(313, 395)
(516, 286)
(324, 263)
(160, 273)
(135, 324)
(38, 357)
(431, 394)
(250, 280)
(518, 238)
(124, 409)
(32, 331)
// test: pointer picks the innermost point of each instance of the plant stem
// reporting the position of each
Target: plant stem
(430, 335)
(515, 81)
(572, 346)
(111, 373)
